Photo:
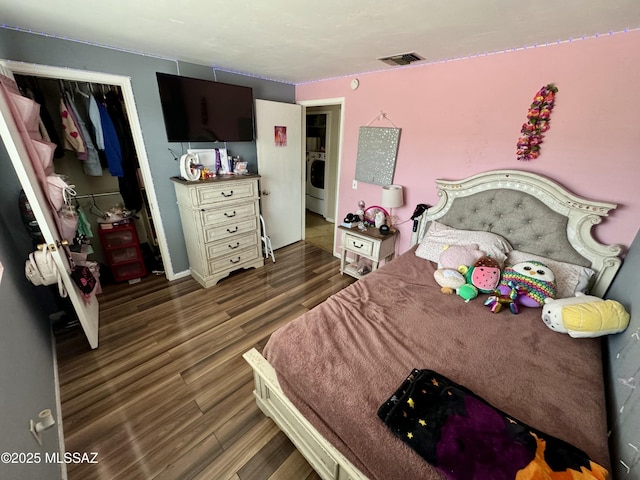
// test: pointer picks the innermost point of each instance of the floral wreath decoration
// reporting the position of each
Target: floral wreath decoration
(538, 117)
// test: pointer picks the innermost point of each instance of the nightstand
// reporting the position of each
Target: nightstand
(369, 244)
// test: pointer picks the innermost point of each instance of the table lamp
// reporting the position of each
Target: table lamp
(391, 198)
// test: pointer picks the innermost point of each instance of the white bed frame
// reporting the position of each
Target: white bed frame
(582, 214)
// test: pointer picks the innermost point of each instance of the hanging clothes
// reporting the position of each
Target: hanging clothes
(94, 118)
(128, 182)
(111, 143)
(91, 165)
(72, 138)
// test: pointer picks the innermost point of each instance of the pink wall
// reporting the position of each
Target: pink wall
(463, 117)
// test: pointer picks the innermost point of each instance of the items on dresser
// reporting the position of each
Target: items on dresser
(122, 249)
(221, 224)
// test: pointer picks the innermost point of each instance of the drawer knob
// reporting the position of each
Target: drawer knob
(234, 261)
(230, 215)
(358, 246)
(233, 247)
(232, 231)
(227, 195)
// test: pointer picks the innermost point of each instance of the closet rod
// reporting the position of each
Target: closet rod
(91, 195)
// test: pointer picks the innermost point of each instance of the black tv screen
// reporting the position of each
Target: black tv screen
(198, 110)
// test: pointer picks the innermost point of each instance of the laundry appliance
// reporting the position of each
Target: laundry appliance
(315, 201)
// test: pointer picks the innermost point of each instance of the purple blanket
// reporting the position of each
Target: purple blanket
(466, 438)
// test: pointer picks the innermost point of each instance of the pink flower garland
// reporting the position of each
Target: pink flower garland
(539, 116)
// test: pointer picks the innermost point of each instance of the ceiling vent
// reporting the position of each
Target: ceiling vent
(401, 59)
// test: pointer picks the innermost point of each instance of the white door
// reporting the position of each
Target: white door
(88, 313)
(280, 169)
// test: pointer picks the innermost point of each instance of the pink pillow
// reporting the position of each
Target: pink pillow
(438, 236)
(455, 255)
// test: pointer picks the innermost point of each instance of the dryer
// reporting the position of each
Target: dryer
(316, 167)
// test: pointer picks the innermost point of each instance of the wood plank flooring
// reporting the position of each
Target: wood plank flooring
(167, 394)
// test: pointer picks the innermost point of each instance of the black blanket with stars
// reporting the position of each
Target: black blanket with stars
(466, 438)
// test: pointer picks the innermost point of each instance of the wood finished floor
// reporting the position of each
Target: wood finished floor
(167, 394)
(318, 231)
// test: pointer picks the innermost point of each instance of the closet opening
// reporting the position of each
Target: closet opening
(96, 155)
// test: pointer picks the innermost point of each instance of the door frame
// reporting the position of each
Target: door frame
(325, 102)
(86, 76)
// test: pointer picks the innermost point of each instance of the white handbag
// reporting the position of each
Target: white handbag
(41, 269)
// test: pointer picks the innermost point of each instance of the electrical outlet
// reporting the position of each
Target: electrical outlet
(354, 185)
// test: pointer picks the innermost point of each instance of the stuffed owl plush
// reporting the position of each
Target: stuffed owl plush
(534, 281)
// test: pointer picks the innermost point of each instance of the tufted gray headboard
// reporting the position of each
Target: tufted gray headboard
(534, 214)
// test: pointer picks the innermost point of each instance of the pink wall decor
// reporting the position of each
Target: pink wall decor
(537, 123)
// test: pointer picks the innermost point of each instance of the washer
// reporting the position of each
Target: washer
(316, 168)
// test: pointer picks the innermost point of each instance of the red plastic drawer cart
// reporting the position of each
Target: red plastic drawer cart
(122, 250)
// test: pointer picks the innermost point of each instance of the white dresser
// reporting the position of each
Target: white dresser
(221, 225)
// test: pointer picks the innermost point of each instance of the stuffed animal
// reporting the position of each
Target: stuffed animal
(484, 274)
(585, 316)
(449, 279)
(455, 255)
(496, 301)
(448, 276)
(452, 281)
(535, 279)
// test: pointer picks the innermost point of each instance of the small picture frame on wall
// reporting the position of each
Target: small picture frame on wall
(280, 136)
(377, 152)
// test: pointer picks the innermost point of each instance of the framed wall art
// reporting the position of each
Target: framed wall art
(377, 152)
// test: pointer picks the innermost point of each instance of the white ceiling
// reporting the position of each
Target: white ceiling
(296, 41)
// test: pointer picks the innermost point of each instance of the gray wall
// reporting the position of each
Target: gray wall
(623, 371)
(26, 354)
(141, 69)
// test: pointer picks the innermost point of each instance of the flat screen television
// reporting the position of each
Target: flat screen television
(198, 110)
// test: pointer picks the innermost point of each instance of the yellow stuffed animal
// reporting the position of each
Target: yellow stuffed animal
(585, 316)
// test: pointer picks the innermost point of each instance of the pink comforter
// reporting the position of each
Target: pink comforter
(339, 362)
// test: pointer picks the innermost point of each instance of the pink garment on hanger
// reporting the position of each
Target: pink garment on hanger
(72, 138)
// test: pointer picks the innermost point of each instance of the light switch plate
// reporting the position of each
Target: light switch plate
(354, 185)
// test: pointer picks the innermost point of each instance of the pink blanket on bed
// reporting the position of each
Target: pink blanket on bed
(339, 362)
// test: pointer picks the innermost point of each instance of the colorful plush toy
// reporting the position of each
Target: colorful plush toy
(467, 292)
(496, 301)
(484, 274)
(585, 316)
(534, 281)
(449, 278)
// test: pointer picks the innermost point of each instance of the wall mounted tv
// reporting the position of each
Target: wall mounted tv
(198, 110)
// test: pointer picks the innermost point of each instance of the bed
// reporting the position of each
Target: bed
(323, 377)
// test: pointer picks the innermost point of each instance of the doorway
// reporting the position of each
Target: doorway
(123, 86)
(322, 120)
(88, 313)
(101, 198)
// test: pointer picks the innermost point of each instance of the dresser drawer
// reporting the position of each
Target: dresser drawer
(231, 245)
(229, 191)
(226, 230)
(358, 245)
(233, 261)
(226, 214)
